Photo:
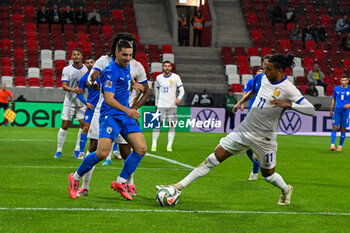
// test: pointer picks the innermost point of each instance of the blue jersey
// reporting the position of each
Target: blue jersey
(93, 95)
(115, 79)
(254, 86)
(341, 96)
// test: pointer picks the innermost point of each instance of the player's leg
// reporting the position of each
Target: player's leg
(116, 153)
(254, 175)
(335, 124)
(83, 136)
(171, 115)
(343, 125)
(155, 136)
(80, 112)
(67, 115)
(125, 151)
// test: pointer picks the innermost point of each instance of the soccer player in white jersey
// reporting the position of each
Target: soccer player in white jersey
(136, 100)
(166, 102)
(258, 130)
(72, 105)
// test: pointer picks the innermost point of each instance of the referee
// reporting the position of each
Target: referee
(5, 95)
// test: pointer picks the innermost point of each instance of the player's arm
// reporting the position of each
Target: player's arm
(245, 98)
(91, 80)
(156, 94)
(140, 101)
(332, 108)
(109, 99)
(244, 94)
(137, 86)
(181, 94)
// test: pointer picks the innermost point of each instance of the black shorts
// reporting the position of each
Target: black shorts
(4, 106)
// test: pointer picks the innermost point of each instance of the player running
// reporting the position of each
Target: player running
(166, 102)
(341, 107)
(258, 130)
(71, 75)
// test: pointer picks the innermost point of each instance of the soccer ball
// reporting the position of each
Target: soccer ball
(167, 196)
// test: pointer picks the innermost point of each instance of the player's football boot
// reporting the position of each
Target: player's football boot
(81, 155)
(131, 189)
(117, 155)
(121, 188)
(339, 148)
(82, 192)
(107, 162)
(73, 186)
(285, 196)
(154, 148)
(169, 149)
(159, 186)
(76, 154)
(253, 176)
(332, 147)
(58, 154)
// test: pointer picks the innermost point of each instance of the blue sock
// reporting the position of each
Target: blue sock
(83, 139)
(256, 166)
(342, 138)
(131, 163)
(89, 161)
(115, 146)
(250, 155)
(333, 136)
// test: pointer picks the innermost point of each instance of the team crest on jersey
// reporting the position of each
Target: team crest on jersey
(276, 92)
(108, 84)
(171, 82)
(347, 93)
(109, 130)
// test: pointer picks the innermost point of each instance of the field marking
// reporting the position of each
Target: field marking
(27, 140)
(176, 211)
(169, 160)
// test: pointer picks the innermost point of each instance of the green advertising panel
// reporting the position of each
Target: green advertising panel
(183, 114)
(34, 114)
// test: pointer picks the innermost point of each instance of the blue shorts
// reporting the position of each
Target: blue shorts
(341, 117)
(88, 115)
(112, 126)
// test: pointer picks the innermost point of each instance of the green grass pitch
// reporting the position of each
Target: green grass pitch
(34, 195)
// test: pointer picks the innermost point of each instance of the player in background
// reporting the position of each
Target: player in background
(71, 75)
(166, 102)
(258, 130)
(254, 175)
(5, 95)
(116, 117)
(91, 102)
(341, 107)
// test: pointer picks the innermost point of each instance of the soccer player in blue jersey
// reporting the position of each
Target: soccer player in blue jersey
(341, 107)
(92, 99)
(116, 118)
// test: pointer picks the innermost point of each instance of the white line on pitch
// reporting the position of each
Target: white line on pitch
(169, 160)
(176, 211)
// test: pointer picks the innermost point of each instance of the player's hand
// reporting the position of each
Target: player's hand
(280, 103)
(235, 108)
(92, 84)
(138, 87)
(78, 90)
(134, 114)
(177, 101)
(347, 106)
(90, 106)
(11, 105)
(331, 113)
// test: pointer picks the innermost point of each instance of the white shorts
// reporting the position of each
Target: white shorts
(94, 130)
(169, 114)
(238, 143)
(68, 113)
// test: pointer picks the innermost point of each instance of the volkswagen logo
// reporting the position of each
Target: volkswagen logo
(206, 115)
(290, 122)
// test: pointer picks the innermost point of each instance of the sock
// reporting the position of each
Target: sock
(109, 157)
(115, 147)
(76, 176)
(77, 145)
(200, 171)
(83, 139)
(342, 138)
(61, 137)
(6, 122)
(171, 136)
(87, 178)
(256, 166)
(89, 161)
(333, 136)
(130, 181)
(250, 154)
(277, 180)
(155, 136)
(131, 163)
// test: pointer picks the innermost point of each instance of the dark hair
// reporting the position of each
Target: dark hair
(166, 62)
(267, 56)
(344, 76)
(261, 68)
(90, 57)
(123, 44)
(281, 61)
(122, 36)
(77, 49)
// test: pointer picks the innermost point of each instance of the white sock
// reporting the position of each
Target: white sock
(171, 136)
(277, 180)
(200, 171)
(130, 180)
(109, 157)
(76, 176)
(77, 145)
(120, 180)
(87, 178)
(61, 137)
(155, 136)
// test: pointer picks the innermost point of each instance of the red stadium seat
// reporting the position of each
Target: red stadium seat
(29, 13)
(285, 44)
(17, 19)
(166, 49)
(228, 59)
(326, 20)
(6, 62)
(5, 46)
(83, 37)
(6, 71)
(20, 81)
(242, 60)
(240, 51)
(154, 75)
(329, 90)
(86, 48)
(252, 51)
(346, 63)
(329, 81)
(319, 54)
(20, 68)
(323, 45)
(338, 72)
(257, 35)
(266, 51)
(226, 51)
(236, 87)
(244, 70)
(290, 27)
(303, 88)
(310, 45)
(117, 14)
(301, 80)
(252, 18)
(34, 82)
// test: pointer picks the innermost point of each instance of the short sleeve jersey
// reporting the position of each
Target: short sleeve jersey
(167, 87)
(93, 94)
(72, 75)
(138, 74)
(4, 96)
(254, 85)
(115, 79)
(341, 96)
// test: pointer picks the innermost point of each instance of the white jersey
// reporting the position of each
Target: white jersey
(72, 75)
(138, 74)
(167, 87)
(263, 119)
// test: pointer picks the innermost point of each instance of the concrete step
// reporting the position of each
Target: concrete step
(199, 69)
(183, 60)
